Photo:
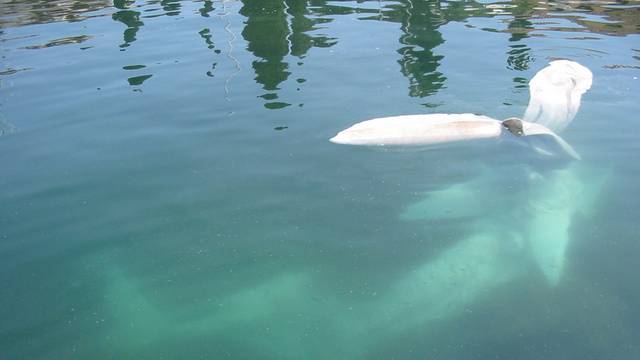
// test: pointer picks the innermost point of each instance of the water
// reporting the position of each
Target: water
(168, 190)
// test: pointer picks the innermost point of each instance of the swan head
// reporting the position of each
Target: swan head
(514, 125)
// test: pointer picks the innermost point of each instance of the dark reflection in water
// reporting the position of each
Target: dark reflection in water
(301, 24)
(171, 7)
(18, 13)
(266, 32)
(133, 67)
(11, 71)
(138, 80)
(63, 41)
(207, 8)
(130, 18)
(520, 54)
(420, 21)
(419, 63)
(519, 57)
(206, 35)
(521, 83)
(273, 30)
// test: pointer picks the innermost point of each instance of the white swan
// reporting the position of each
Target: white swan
(445, 128)
(555, 92)
(555, 98)
(554, 198)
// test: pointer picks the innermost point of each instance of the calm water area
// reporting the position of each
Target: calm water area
(168, 190)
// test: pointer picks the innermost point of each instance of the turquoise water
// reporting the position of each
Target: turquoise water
(168, 190)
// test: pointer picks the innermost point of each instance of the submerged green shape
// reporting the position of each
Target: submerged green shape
(276, 105)
(138, 80)
(269, 96)
(134, 67)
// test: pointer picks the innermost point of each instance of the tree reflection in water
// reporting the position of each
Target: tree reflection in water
(130, 18)
(276, 30)
(273, 30)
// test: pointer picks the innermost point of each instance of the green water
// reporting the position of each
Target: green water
(168, 190)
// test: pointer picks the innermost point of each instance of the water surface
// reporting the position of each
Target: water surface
(168, 190)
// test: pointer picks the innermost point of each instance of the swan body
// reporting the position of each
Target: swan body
(555, 95)
(420, 130)
(435, 129)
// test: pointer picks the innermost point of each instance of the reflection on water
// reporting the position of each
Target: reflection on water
(207, 37)
(171, 7)
(58, 42)
(207, 8)
(519, 54)
(130, 18)
(20, 13)
(266, 32)
(138, 80)
(208, 216)
(273, 30)
(418, 63)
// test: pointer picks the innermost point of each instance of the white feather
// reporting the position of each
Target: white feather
(555, 94)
